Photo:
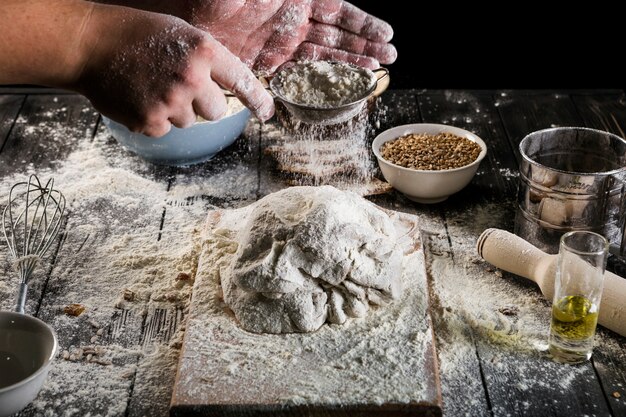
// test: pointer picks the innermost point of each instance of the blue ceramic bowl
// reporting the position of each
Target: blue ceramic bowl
(195, 144)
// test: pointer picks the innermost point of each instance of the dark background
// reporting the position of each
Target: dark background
(511, 45)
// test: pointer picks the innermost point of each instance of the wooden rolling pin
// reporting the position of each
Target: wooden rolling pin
(513, 254)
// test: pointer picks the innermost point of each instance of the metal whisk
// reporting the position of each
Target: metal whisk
(30, 222)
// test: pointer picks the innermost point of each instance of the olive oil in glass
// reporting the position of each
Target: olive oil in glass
(577, 294)
(574, 320)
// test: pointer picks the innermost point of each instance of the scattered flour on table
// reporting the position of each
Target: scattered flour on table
(507, 320)
(238, 182)
(125, 267)
(323, 84)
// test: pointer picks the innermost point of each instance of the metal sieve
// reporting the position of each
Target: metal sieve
(325, 115)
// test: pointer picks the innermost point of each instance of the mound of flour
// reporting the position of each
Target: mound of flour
(323, 84)
(308, 255)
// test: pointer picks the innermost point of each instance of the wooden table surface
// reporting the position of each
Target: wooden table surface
(485, 369)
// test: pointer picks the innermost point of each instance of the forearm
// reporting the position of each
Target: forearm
(42, 41)
(178, 8)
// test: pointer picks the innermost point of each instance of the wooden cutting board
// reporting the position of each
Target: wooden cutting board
(383, 364)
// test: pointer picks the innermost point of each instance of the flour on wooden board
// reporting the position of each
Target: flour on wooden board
(375, 359)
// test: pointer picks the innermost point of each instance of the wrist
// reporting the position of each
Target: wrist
(52, 53)
(102, 36)
(79, 53)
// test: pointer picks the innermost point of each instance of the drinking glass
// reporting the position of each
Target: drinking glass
(577, 293)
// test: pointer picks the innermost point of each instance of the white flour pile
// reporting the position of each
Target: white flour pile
(308, 255)
(376, 359)
(323, 84)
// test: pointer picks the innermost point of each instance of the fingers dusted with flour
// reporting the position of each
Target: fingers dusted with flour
(146, 70)
(349, 17)
(314, 52)
(234, 76)
(339, 39)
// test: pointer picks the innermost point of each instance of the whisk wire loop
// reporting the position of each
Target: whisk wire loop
(31, 221)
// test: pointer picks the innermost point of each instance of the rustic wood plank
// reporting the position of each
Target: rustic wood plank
(523, 114)
(603, 112)
(494, 185)
(609, 361)
(397, 107)
(228, 180)
(9, 107)
(101, 219)
(44, 132)
(608, 112)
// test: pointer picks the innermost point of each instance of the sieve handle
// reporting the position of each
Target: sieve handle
(382, 81)
(381, 73)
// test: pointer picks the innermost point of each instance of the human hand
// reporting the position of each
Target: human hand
(267, 33)
(149, 71)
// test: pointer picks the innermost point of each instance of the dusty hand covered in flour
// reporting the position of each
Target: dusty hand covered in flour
(150, 71)
(308, 255)
(146, 70)
(166, 72)
(267, 33)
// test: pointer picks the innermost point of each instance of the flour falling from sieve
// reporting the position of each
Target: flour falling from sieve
(337, 155)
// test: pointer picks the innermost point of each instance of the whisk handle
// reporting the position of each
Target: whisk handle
(21, 298)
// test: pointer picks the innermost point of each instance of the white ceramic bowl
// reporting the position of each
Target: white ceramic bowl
(28, 346)
(425, 186)
(195, 144)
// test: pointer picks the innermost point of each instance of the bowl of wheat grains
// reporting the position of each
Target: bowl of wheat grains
(428, 162)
